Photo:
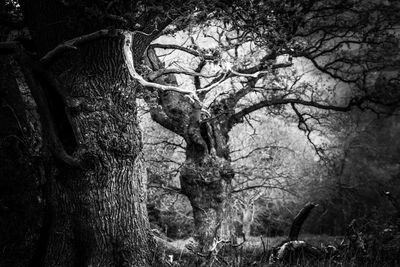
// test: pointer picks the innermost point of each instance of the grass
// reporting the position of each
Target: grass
(255, 242)
(256, 250)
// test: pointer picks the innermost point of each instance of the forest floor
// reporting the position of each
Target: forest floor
(256, 251)
(261, 242)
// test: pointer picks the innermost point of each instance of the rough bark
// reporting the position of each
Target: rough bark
(207, 173)
(100, 209)
(206, 181)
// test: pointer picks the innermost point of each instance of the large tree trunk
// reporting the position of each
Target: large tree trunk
(206, 181)
(100, 209)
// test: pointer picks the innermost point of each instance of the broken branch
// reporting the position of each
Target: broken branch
(299, 220)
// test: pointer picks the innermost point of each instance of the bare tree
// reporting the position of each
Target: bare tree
(256, 49)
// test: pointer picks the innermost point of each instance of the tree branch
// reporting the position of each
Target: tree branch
(303, 126)
(127, 51)
(156, 74)
(215, 83)
(259, 70)
(273, 102)
(260, 149)
(184, 49)
(263, 186)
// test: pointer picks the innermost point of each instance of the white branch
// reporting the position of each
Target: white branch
(127, 49)
(252, 75)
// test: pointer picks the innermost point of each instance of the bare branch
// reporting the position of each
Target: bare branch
(184, 49)
(215, 84)
(127, 49)
(302, 125)
(261, 149)
(263, 186)
(166, 143)
(154, 75)
(259, 70)
(273, 102)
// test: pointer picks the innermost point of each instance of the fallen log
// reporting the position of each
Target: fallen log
(293, 251)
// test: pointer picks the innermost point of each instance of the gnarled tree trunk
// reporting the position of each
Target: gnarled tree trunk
(207, 173)
(100, 208)
(206, 180)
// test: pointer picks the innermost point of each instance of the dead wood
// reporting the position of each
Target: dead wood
(299, 220)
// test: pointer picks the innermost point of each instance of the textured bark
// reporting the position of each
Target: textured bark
(100, 210)
(206, 180)
(207, 173)
(207, 184)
